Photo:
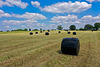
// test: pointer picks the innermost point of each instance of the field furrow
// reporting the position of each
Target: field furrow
(22, 50)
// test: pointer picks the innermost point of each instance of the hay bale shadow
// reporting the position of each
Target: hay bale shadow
(67, 53)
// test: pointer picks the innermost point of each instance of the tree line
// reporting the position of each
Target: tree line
(72, 27)
(86, 27)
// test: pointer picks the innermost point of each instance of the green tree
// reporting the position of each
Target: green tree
(1, 31)
(20, 30)
(40, 29)
(72, 27)
(35, 29)
(7, 31)
(83, 29)
(59, 27)
(25, 29)
(29, 29)
(97, 26)
(88, 26)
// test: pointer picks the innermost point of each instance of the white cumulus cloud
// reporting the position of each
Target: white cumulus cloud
(66, 21)
(90, 19)
(17, 22)
(58, 19)
(67, 7)
(11, 3)
(4, 3)
(92, 1)
(2, 14)
(35, 3)
(28, 15)
(7, 26)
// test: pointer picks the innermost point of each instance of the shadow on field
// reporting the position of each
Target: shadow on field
(68, 53)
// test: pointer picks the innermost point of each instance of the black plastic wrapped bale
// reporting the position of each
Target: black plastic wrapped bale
(68, 32)
(46, 33)
(70, 46)
(40, 31)
(43, 30)
(36, 32)
(74, 33)
(59, 31)
(31, 33)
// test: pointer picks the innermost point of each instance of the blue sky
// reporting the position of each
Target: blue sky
(48, 14)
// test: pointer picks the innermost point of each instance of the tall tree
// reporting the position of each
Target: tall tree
(72, 27)
(59, 27)
(97, 26)
(88, 26)
(29, 29)
(40, 29)
(25, 29)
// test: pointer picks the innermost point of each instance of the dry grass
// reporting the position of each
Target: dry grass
(19, 49)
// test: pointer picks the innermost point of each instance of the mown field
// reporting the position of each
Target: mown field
(19, 49)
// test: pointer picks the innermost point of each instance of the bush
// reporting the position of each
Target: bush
(82, 29)
(1, 31)
(7, 31)
(35, 30)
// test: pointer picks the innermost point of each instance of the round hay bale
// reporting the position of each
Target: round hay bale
(68, 32)
(36, 32)
(46, 33)
(59, 31)
(43, 30)
(31, 33)
(70, 46)
(74, 33)
(40, 31)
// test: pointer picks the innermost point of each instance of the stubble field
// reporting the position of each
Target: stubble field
(19, 49)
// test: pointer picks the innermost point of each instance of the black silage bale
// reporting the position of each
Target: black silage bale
(46, 33)
(31, 33)
(70, 46)
(36, 32)
(40, 31)
(74, 33)
(43, 30)
(59, 31)
(68, 32)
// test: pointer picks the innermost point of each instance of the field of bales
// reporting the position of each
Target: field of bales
(19, 49)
